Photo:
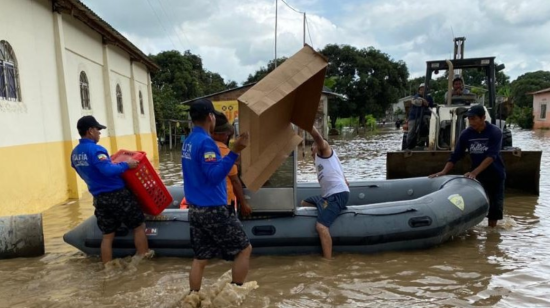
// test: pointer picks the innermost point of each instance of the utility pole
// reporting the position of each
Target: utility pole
(276, 9)
(304, 28)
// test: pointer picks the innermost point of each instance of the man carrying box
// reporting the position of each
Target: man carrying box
(214, 230)
(114, 203)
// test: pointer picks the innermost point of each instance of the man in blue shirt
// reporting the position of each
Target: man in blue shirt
(214, 228)
(483, 141)
(114, 203)
(419, 108)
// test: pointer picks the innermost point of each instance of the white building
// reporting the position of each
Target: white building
(58, 62)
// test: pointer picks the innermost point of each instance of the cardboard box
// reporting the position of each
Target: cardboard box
(289, 94)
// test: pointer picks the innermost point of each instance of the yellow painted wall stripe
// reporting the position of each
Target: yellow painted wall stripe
(38, 176)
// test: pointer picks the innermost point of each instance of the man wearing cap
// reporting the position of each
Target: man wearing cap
(214, 229)
(419, 108)
(222, 133)
(483, 141)
(114, 203)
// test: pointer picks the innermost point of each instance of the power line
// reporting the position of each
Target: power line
(305, 19)
(171, 19)
(158, 19)
(295, 10)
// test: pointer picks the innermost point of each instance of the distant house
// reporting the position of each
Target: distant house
(541, 116)
(399, 110)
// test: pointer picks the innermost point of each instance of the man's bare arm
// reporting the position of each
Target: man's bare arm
(239, 193)
(322, 144)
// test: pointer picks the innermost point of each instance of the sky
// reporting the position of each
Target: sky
(236, 37)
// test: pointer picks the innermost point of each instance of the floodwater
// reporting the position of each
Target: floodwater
(505, 267)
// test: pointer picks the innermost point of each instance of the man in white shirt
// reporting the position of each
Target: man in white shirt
(334, 190)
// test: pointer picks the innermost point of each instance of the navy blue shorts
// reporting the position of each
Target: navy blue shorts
(329, 208)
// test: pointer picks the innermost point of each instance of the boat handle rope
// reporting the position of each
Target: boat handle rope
(411, 210)
(368, 214)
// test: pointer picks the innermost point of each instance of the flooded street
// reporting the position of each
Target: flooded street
(505, 267)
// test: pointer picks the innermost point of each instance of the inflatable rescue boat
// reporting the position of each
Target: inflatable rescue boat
(381, 215)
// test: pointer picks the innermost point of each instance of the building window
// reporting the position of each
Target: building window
(119, 105)
(141, 103)
(543, 111)
(84, 91)
(9, 75)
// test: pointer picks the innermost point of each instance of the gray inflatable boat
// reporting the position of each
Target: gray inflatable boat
(382, 215)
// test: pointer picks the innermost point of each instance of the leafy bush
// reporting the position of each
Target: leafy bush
(522, 116)
(347, 122)
(370, 122)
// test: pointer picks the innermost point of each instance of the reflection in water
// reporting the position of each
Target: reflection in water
(506, 267)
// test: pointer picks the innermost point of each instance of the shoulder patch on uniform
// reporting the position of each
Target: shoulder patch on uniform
(209, 157)
(102, 157)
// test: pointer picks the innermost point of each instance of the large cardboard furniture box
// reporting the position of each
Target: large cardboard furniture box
(288, 95)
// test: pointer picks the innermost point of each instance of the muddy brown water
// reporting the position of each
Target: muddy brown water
(506, 267)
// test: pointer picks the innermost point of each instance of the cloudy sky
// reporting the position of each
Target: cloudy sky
(236, 37)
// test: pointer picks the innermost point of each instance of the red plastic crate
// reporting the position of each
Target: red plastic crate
(144, 182)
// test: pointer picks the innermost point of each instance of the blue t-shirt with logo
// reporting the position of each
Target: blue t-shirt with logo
(204, 170)
(92, 162)
(481, 145)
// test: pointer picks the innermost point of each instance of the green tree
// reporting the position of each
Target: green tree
(181, 77)
(370, 79)
(263, 71)
(526, 83)
(231, 85)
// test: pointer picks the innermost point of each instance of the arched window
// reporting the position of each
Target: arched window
(9, 76)
(141, 103)
(119, 105)
(84, 91)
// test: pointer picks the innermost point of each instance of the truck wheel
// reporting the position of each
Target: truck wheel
(506, 138)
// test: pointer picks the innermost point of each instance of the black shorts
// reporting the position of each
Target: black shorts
(216, 231)
(115, 208)
(494, 188)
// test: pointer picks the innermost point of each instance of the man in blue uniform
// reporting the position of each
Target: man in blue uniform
(214, 229)
(483, 141)
(114, 203)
